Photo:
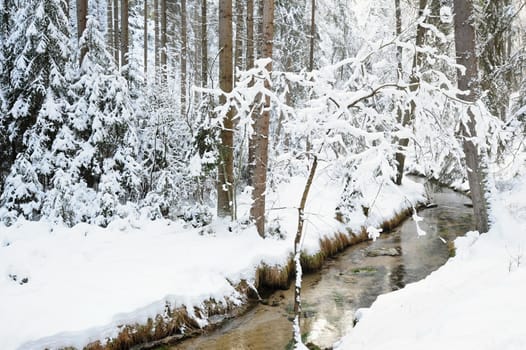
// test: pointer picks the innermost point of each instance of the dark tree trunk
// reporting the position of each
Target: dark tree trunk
(261, 128)
(225, 181)
(465, 46)
(82, 16)
(407, 116)
(124, 32)
(184, 53)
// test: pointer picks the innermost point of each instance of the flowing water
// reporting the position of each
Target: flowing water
(347, 282)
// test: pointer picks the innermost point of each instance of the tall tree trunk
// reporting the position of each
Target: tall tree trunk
(406, 116)
(261, 128)
(197, 52)
(124, 33)
(116, 33)
(163, 48)
(82, 16)
(145, 42)
(250, 35)
(184, 53)
(225, 189)
(156, 41)
(465, 46)
(312, 34)
(260, 40)
(238, 53)
(109, 24)
(204, 43)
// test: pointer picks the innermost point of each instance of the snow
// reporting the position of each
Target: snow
(475, 301)
(85, 281)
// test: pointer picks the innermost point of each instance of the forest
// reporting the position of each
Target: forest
(168, 163)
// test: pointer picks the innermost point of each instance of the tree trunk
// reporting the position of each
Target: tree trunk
(204, 44)
(184, 45)
(465, 46)
(261, 128)
(82, 16)
(124, 33)
(145, 43)
(296, 334)
(404, 116)
(225, 192)
(116, 33)
(197, 53)
(163, 47)
(260, 40)
(312, 34)
(250, 35)
(238, 53)
(109, 24)
(156, 41)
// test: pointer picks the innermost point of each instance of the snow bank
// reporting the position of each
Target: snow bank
(64, 286)
(475, 301)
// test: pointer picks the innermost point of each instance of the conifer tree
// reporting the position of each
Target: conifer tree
(36, 100)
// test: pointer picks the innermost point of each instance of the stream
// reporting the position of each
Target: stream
(347, 282)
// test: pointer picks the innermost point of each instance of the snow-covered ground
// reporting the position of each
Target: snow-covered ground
(475, 301)
(64, 286)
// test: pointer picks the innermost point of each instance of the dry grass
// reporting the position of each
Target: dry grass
(176, 324)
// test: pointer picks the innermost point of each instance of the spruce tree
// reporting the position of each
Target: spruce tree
(35, 101)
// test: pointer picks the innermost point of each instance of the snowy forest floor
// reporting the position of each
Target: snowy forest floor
(475, 301)
(63, 286)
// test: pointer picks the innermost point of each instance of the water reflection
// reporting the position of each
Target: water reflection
(350, 281)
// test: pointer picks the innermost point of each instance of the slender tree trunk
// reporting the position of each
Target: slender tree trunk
(296, 334)
(116, 32)
(204, 43)
(145, 43)
(261, 128)
(82, 16)
(124, 33)
(250, 35)
(312, 34)
(465, 46)
(197, 52)
(225, 192)
(405, 117)
(250, 64)
(260, 40)
(109, 24)
(163, 47)
(157, 41)
(184, 53)
(238, 53)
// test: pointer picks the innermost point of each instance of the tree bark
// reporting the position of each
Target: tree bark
(163, 43)
(145, 42)
(406, 116)
(184, 52)
(197, 53)
(250, 35)
(238, 53)
(225, 181)
(465, 46)
(82, 16)
(204, 43)
(124, 33)
(260, 39)
(116, 33)
(296, 335)
(156, 41)
(109, 24)
(261, 128)
(312, 34)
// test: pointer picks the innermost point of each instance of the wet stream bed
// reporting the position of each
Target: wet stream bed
(347, 282)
